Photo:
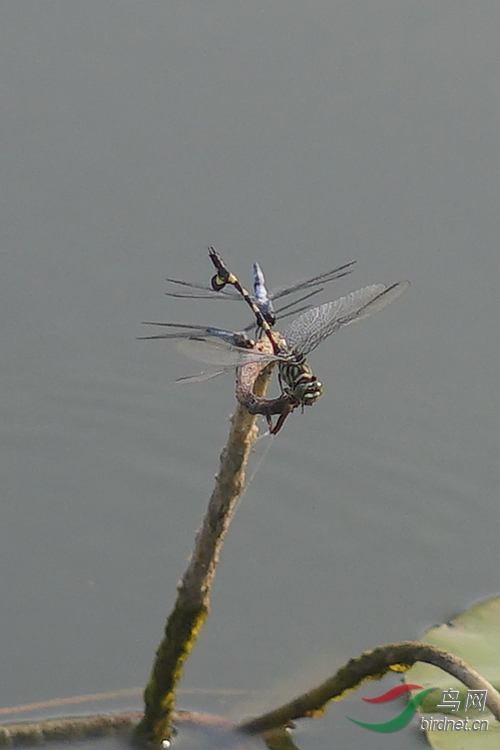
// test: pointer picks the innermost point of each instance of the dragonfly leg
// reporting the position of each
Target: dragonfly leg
(281, 419)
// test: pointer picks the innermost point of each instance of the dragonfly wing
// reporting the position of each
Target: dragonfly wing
(191, 330)
(214, 346)
(201, 376)
(208, 292)
(307, 331)
(215, 351)
(322, 278)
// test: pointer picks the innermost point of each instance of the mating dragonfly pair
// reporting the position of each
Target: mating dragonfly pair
(289, 349)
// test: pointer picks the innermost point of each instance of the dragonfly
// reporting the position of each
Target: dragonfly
(263, 298)
(287, 349)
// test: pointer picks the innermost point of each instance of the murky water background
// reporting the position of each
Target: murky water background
(300, 136)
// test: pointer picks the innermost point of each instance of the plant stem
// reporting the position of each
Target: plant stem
(193, 598)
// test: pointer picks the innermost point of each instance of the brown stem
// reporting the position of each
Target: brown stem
(75, 729)
(372, 665)
(192, 604)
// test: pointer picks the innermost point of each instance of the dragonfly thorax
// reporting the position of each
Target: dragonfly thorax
(299, 381)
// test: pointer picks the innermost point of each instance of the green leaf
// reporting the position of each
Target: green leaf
(473, 636)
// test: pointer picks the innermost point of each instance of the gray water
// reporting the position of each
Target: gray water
(302, 136)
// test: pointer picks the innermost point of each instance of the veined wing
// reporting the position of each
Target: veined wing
(307, 331)
(191, 330)
(208, 292)
(303, 284)
(215, 346)
(262, 298)
(270, 314)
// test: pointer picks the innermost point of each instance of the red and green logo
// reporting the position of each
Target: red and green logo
(402, 719)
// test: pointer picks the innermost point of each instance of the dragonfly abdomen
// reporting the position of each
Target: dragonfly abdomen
(246, 377)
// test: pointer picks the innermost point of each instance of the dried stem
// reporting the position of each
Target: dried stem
(372, 665)
(192, 605)
(74, 729)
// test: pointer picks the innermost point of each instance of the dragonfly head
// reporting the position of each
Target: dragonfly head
(300, 383)
(310, 392)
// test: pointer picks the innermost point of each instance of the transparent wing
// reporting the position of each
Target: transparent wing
(280, 313)
(264, 299)
(217, 352)
(261, 296)
(322, 278)
(208, 292)
(201, 376)
(215, 346)
(191, 330)
(307, 331)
